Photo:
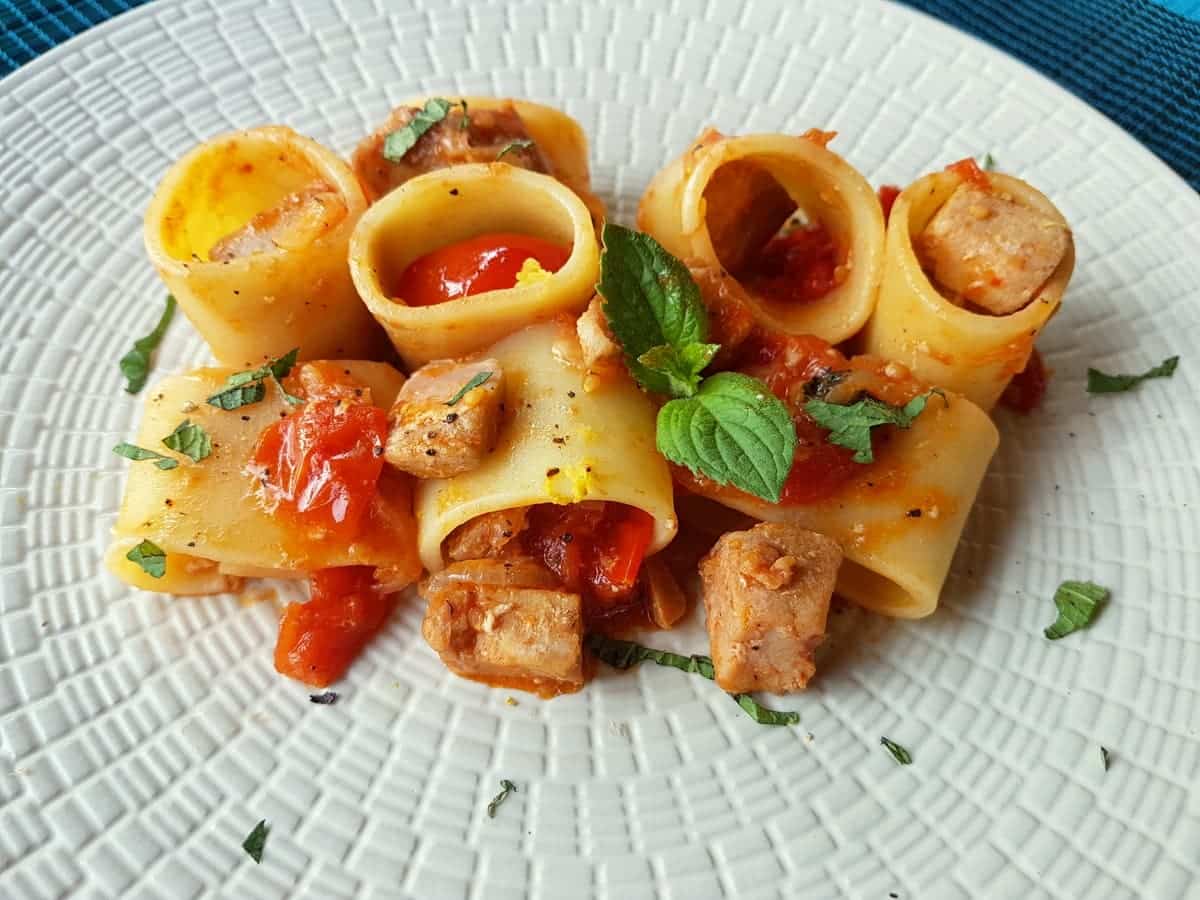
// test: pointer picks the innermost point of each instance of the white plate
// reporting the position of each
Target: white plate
(143, 737)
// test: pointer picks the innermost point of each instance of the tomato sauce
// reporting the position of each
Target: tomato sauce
(594, 548)
(797, 267)
(488, 262)
(1027, 390)
(968, 170)
(319, 639)
(887, 199)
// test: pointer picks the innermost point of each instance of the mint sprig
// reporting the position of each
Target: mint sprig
(729, 427)
(850, 424)
(243, 388)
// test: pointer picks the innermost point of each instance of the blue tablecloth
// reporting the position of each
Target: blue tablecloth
(1138, 61)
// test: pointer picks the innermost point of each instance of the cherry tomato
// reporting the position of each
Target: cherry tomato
(887, 199)
(489, 262)
(319, 639)
(595, 548)
(796, 267)
(968, 170)
(1028, 388)
(320, 466)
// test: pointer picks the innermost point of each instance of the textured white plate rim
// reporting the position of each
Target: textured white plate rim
(541, 873)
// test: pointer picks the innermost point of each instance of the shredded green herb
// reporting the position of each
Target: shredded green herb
(506, 788)
(477, 379)
(135, 365)
(901, 755)
(256, 840)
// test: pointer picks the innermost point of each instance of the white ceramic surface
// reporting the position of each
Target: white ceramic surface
(141, 738)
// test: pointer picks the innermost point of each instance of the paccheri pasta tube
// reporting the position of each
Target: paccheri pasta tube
(1004, 230)
(250, 232)
(465, 202)
(797, 229)
(559, 444)
(205, 515)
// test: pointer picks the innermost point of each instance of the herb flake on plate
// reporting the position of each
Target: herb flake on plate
(135, 365)
(900, 754)
(1077, 603)
(1102, 383)
(256, 840)
(506, 788)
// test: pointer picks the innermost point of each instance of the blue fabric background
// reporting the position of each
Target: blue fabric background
(1138, 61)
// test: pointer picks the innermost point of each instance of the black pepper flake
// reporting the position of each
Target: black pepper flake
(451, 417)
(567, 537)
(245, 418)
(378, 451)
(345, 371)
(913, 513)
(453, 192)
(326, 699)
(560, 440)
(431, 434)
(237, 293)
(571, 394)
(358, 392)
(431, 452)
(506, 534)
(169, 502)
(551, 472)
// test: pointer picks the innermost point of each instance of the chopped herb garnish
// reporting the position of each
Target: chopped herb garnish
(1104, 757)
(626, 654)
(901, 755)
(850, 424)
(256, 840)
(989, 163)
(326, 699)
(729, 427)
(244, 388)
(150, 557)
(400, 141)
(519, 144)
(1102, 383)
(506, 788)
(135, 365)
(137, 454)
(465, 122)
(1077, 602)
(476, 380)
(189, 439)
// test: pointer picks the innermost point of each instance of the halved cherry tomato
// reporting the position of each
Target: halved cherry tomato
(320, 466)
(1028, 388)
(887, 199)
(319, 639)
(595, 548)
(968, 170)
(489, 262)
(797, 267)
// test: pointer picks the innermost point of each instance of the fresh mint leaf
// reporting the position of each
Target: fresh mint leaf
(506, 788)
(400, 141)
(627, 654)
(681, 366)
(901, 755)
(135, 365)
(137, 454)
(476, 380)
(1102, 383)
(244, 388)
(150, 557)
(650, 300)
(256, 840)
(1077, 602)
(189, 439)
(850, 424)
(519, 144)
(733, 431)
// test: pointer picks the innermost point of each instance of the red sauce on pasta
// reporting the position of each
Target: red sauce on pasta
(797, 267)
(887, 199)
(1027, 390)
(488, 262)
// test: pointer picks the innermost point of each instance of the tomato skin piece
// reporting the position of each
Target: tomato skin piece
(968, 170)
(1027, 390)
(488, 262)
(797, 267)
(319, 639)
(320, 466)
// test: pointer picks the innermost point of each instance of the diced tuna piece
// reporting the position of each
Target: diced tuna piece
(299, 219)
(506, 622)
(488, 536)
(991, 251)
(766, 592)
(744, 207)
(447, 143)
(430, 438)
(595, 340)
(730, 318)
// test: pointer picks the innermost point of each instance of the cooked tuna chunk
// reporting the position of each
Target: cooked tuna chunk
(430, 438)
(744, 207)
(488, 536)
(447, 143)
(299, 219)
(505, 621)
(730, 318)
(991, 251)
(595, 340)
(766, 592)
